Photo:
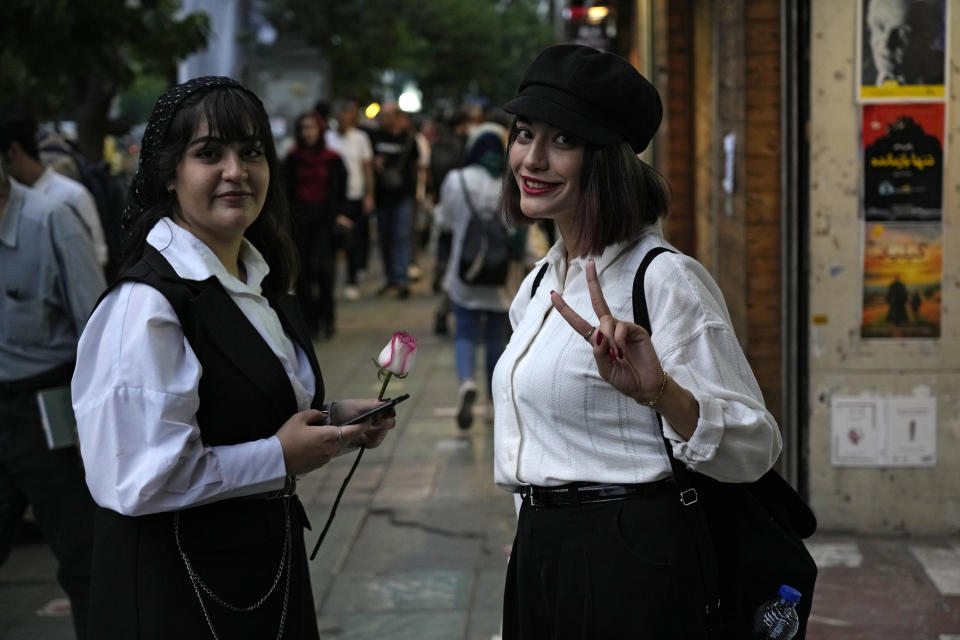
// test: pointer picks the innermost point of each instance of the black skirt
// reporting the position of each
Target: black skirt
(140, 586)
(622, 569)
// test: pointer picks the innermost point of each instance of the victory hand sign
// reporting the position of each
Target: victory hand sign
(626, 359)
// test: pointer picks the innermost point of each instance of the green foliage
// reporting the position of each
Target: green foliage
(58, 53)
(453, 48)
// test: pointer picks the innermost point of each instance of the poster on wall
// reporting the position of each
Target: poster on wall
(902, 161)
(902, 49)
(901, 280)
(883, 431)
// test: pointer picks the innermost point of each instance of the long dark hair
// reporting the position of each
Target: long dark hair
(234, 115)
(620, 195)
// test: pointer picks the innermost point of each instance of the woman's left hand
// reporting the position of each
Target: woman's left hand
(374, 430)
(623, 351)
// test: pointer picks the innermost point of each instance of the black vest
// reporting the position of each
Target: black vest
(140, 587)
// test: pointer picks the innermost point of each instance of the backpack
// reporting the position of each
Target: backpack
(109, 195)
(485, 253)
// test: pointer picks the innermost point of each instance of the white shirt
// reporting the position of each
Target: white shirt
(135, 391)
(453, 213)
(76, 196)
(558, 421)
(354, 147)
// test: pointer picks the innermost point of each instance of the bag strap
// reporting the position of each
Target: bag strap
(536, 281)
(692, 510)
(466, 194)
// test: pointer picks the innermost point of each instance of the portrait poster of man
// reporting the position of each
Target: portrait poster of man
(902, 49)
(901, 280)
(903, 161)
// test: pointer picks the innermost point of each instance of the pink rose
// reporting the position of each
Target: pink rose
(398, 356)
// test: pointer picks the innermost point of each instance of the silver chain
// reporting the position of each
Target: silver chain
(198, 584)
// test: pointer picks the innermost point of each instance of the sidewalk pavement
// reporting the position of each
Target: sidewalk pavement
(417, 550)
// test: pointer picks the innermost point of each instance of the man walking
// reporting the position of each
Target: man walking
(354, 148)
(21, 157)
(49, 283)
(398, 172)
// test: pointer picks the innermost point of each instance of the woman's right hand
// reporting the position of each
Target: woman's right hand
(308, 444)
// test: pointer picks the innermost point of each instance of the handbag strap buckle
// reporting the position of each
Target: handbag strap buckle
(688, 497)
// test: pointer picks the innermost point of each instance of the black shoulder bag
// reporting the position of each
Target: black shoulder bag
(485, 251)
(749, 536)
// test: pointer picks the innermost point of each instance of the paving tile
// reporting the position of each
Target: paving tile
(396, 540)
(835, 554)
(488, 589)
(425, 625)
(484, 624)
(942, 565)
(417, 590)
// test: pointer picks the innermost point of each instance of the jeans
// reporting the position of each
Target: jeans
(395, 228)
(465, 339)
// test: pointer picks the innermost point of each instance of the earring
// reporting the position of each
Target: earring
(169, 188)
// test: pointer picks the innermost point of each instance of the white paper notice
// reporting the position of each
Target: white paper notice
(855, 431)
(912, 431)
(883, 431)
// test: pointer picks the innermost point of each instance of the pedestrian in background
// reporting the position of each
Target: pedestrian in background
(602, 548)
(50, 281)
(398, 177)
(21, 156)
(466, 192)
(315, 180)
(197, 392)
(353, 145)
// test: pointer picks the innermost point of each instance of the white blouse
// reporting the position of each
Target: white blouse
(558, 421)
(135, 391)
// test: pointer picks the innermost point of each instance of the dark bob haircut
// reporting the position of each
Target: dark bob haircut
(233, 115)
(620, 195)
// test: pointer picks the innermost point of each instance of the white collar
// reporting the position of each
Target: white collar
(194, 260)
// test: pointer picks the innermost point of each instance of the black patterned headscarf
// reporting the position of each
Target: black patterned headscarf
(145, 187)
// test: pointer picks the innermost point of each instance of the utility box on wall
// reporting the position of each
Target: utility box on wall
(884, 283)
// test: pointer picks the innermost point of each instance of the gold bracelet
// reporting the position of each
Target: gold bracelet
(663, 385)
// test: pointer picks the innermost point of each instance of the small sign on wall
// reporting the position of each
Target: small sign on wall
(883, 431)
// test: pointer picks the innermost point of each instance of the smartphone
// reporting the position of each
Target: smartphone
(363, 417)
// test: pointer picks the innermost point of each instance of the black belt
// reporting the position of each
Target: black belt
(55, 377)
(577, 493)
(289, 489)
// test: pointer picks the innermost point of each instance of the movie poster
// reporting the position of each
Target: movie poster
(901, 280)
(903, 161)
(902, 45)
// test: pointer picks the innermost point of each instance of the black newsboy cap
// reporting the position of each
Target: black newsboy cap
(595, 95)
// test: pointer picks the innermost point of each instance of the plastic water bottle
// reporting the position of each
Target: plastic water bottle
(777, 619)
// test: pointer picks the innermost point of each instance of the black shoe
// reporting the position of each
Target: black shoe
(440, 325)
(403, 293)
(466, 396)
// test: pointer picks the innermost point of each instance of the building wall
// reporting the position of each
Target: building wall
(872, 500)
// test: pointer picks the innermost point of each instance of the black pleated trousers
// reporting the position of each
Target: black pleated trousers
(625, 569)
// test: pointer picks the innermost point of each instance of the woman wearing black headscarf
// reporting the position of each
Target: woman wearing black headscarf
(474, 190)
(197, 392)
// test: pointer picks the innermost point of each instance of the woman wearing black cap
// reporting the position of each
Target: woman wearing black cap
(197, 392)
(601, 549)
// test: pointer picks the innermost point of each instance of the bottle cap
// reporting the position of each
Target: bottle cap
(789, 593)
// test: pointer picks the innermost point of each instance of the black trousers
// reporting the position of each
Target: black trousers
(359, 246)
(625, 569)
(53, 484)
(314, 236)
